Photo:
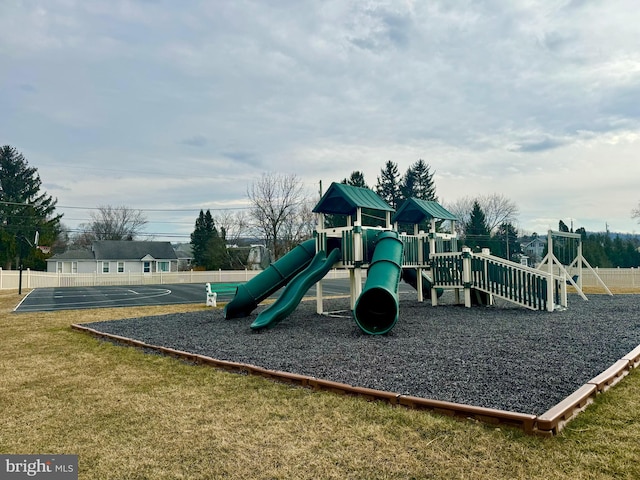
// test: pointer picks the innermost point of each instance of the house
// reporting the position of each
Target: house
(117, 256)
(535, 248)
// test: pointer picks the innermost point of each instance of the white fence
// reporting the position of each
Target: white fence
(612, 277)
(10, 279)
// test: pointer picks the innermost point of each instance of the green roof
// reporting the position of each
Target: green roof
(415, 211)
(342, 199)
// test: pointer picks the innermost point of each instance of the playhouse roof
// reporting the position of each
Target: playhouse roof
(342, 199)
(415, 210)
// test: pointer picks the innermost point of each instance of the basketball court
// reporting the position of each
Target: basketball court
(78, 298)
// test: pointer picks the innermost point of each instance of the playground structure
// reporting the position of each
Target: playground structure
(553, 264)
(428, 260)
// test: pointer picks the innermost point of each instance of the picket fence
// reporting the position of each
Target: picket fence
(10, 279)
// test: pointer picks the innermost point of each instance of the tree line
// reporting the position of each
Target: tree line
(600, 249)
(280, 215)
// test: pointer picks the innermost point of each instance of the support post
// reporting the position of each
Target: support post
(466, 275)
(355, 274)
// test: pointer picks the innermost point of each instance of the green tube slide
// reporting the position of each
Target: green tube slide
(250, 294)
(410, 276)
(376, 310)
(295, 290)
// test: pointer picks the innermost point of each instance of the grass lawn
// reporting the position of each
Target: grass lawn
(131, 415)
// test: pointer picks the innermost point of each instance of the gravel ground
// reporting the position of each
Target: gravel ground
(500, 357)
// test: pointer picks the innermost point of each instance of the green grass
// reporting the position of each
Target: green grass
(130, 415)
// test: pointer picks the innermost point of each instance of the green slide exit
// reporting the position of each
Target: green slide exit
(376, 310)
(295, 290)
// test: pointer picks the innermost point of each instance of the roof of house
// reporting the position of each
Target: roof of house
(343, 199)
(121, 250)
(536, 241)
(415, 211)
(132, 250)
(77, 254)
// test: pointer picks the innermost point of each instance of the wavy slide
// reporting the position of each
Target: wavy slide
(296, 289)
(278, 274)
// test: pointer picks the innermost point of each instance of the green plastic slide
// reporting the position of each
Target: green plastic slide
(250, 294)
(410, 276)
(295, 290)
(376, 310)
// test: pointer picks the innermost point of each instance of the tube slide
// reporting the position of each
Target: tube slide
(295, 290)
(410, 276)
(278, 274)
(376, 310)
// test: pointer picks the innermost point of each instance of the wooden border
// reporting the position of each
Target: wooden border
(549, 423)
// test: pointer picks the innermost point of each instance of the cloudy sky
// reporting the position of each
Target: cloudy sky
(171, 107)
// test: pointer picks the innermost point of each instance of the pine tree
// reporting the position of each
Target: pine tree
(24, 210)
(506, 241)
(356, 180)
(388, 186)
(477, 233)
(423, 184)
(208, 246)
(199, 239)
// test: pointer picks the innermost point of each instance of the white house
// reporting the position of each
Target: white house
(117, 256)
(535, 248)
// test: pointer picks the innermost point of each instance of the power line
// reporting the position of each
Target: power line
(194, 209)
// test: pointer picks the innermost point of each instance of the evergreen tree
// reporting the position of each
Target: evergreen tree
(477, 235)
(208, 246)
(199, 239)
(506, 241)
(356, 180)
(388, 186)
(24, 210)
(418, 182)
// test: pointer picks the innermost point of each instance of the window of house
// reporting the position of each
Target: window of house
(146, 267)
(120, 267)
(163, 266)
(59, 267)
(74, 267)
(105, 267)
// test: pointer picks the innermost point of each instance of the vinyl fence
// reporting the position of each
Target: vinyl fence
(10, 279)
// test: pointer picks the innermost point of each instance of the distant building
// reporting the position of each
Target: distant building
(534, 249)
(117, 256)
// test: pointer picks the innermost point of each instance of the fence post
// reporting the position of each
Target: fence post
(466, 275)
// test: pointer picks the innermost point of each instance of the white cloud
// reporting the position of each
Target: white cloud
(534, 99)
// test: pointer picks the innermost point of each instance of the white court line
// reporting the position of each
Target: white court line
(120, 297)
(23, 299)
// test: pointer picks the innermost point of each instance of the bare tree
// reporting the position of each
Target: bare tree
(234, 223)
(275, 200)
(635, 213)
(111, 223)
(497, 210)
(300, 226)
